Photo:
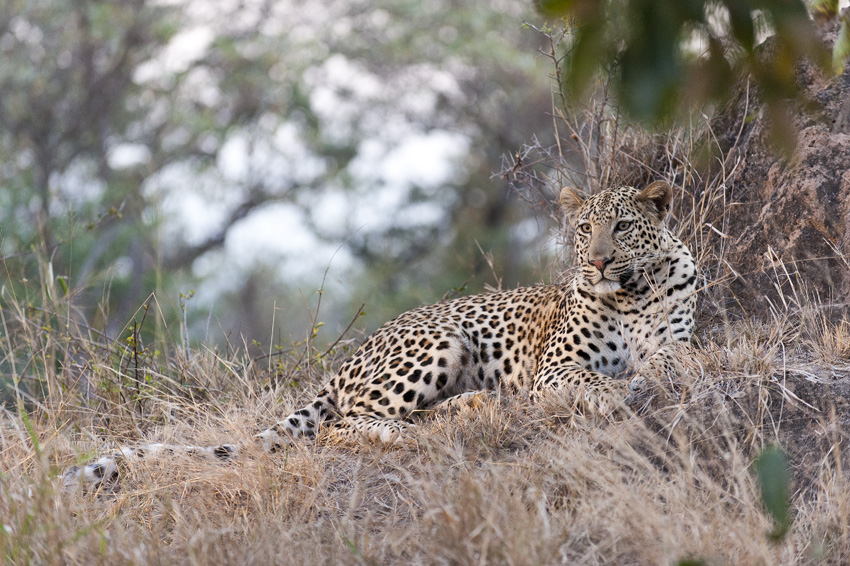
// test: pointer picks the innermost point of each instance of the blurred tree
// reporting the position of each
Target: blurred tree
(65, 86)
(136, 136)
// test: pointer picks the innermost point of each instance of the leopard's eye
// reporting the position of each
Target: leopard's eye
(623, 225)
(585, 228)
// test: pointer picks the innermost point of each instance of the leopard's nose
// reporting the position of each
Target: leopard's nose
(599, 264)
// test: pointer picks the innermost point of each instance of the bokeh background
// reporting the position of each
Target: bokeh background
(236, 157)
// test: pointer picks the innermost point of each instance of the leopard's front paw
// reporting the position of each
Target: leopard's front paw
(643, 390)
(637, 383)
(602, 401)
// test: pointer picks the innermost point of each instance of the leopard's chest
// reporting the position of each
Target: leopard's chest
(609, 335)
(598, 339)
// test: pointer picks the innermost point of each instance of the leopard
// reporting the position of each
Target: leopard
(624, 314)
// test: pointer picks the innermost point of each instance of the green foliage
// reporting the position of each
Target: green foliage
(775, 482)
(774, 479)
(670, 56)
(841, 51)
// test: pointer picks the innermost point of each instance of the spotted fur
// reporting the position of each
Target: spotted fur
(627, 308)
(624, 314)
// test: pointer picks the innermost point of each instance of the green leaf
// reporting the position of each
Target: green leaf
(649, 67)
(775, 481)
(589, 22)
(584, 57)
(63, 283)
(841, 50)
(741, 21)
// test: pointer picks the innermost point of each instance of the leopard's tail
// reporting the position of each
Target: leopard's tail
(106, 470)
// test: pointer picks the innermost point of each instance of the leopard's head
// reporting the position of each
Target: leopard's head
(618, 233)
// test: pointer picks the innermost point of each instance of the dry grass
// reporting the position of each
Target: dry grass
(507, 483)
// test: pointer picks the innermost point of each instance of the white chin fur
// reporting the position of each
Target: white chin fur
(606, 287)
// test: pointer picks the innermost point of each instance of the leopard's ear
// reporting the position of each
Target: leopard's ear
(656, 198)
(571, 201)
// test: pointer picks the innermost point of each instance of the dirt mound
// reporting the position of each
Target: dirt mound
(790, 214)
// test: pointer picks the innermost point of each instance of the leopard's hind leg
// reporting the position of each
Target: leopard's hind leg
(463, 401)
(303, 423)
(354, 428)
(391, 431)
